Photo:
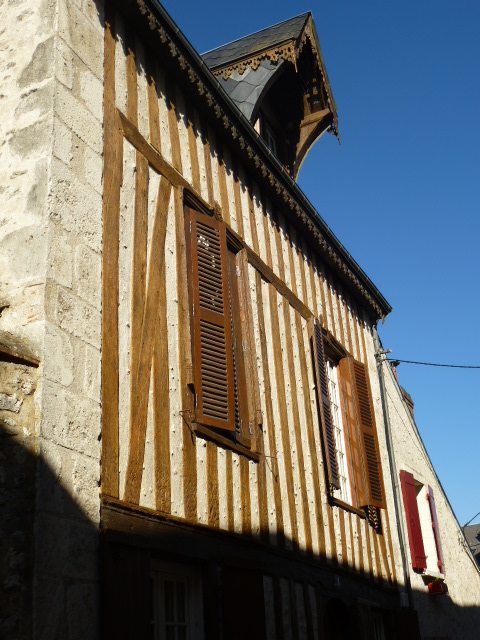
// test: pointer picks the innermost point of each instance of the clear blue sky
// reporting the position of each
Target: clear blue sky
(402, 192)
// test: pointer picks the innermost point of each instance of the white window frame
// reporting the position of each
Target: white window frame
(344, 493)
(188, 576)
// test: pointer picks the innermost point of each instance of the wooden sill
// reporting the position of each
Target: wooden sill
(209, 434)
(335, 502)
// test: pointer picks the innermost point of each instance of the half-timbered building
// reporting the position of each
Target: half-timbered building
(191, 375)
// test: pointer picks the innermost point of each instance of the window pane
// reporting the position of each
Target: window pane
(170, 633)
(180, 602)
(169, 601)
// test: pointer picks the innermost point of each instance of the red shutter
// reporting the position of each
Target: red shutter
(436, 531)
(357, 391)
(212, 340)
(417, 551)
(324, 402)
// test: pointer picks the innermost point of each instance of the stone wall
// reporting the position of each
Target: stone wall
(456, 614)
(51, 143)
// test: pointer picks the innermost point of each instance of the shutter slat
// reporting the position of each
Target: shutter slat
(436, 530)
(212, 337)
(324, 402)
(417, 550)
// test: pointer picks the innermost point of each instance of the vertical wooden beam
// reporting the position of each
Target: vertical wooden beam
(390, 545)
(185, 364)
(294, 397)
(112, 176)
(143, 360)
(351, 520)
(270, 416)
(245, 496)
(161, 406)
(153, 110)
(304, 352)
(361, 563)
(139, 273)
(369, 549)
(378, 563)
(208, 167)
(238, 201)
(131, 70)
(383, 549)
(173, 124)
(229, 489)
(192, 147)
(343, 537)
(212, 485)
(308, 611)
(222, 180)
(253, 222)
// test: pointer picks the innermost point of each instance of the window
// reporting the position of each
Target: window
(353, 468)
(177, 603)
(422, 525)
(218, 341)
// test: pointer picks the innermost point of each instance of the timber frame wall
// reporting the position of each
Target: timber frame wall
(163, 138)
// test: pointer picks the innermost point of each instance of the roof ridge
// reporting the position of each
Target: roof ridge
(254, 33)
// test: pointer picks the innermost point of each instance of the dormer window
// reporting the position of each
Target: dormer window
(269, 136)
(279, 72)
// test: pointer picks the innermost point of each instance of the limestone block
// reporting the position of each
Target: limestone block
(83, 552)
(52, 461)
(93, 169)
(64, 64)
(91, 90)
(94, 10)
(32, 140)
(77, 118)
(70, 420)
(88, 275)
(58, 356)
(91, 377)
(39, 65)
(79, 33)
(78, 318)
(85, 476)
(62, 141)
(60, 256)
(34, 104)
(23, 318)
(76, 205)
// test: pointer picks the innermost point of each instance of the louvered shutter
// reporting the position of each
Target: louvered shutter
(436, 531)
(324, 402)
(212, 339)
(363, 438)
(417, 550)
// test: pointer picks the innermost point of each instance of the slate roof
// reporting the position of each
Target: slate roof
(249, 45)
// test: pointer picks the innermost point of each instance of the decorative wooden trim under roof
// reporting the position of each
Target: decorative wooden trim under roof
(288, 50)
(150, 15)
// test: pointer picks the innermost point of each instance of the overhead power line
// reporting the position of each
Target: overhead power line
(435, 364)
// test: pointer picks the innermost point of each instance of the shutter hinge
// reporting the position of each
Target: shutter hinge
(190, 226)
(237, 271)
(193, 309)
(250, 428)
(244, 345)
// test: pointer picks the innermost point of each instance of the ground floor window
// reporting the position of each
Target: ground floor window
(177, 603)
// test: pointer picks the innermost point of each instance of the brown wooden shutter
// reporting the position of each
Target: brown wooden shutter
(417, 550)
(212, 339)
(324, 403)
(436, 531)
(363, 439)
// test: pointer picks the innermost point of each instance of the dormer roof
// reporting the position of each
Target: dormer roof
(248, 69)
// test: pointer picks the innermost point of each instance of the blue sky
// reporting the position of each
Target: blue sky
(402, 192)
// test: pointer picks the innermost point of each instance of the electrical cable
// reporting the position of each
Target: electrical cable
(433, 364)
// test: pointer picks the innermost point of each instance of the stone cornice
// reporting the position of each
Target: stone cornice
(191, 66)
